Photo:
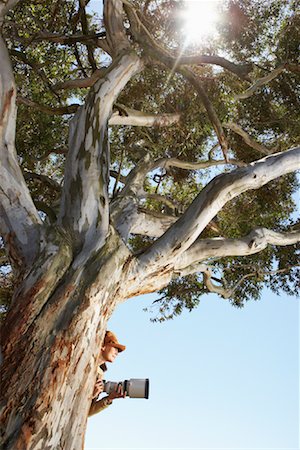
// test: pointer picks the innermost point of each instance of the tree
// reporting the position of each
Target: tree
(168, 222)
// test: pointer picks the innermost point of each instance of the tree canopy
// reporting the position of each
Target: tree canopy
(227, 111)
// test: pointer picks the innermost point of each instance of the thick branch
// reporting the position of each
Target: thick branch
(128, 116)
(44, 179)
(115, 31)
(150, 223)
(174, 162)
(124, 210)
(254, 242)
(85, 202)
(193, 260)
(19, 221)
(247, 138)
(209, 202)
(241, 70)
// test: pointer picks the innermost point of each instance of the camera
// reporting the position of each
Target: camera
(134, 387)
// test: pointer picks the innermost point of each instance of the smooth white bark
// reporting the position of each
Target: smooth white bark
(87, 165)
(19, 219)
(210, 200)
(136, 118)
(254, 242)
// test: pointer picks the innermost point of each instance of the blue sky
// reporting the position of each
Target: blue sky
(220, 378)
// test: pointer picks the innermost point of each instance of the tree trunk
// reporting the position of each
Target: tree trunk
(50, 366)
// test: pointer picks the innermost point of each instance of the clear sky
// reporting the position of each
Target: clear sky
(220, 378)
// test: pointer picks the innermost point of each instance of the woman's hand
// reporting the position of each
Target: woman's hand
(98, 388)
(117, 393)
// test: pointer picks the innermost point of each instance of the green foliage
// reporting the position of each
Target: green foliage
(181, 294)
(264, 33)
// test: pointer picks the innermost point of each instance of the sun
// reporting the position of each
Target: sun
(200, 18)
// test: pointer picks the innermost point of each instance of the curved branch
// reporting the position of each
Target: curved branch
(124, 210)
(19, 222)
(174, 162)
(208, 203)
(247, 138)
(194, 260)
(260, 82)
(127, 116)
(115, 31)
(227, 293)
(256, 241)
(60, 111)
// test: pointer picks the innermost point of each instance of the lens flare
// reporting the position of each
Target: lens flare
(200, 18)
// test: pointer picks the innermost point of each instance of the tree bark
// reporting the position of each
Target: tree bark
(50, 364)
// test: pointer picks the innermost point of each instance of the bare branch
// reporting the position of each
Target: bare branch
(115, 32)
(247, 138)
(241, 70)
(227, 293)
(60, 111)
(82, 82)
(260, 82)
(174, 162)
(254, 242)
(210, 200)
(127, 116)
(84, 25)
(211, 112)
